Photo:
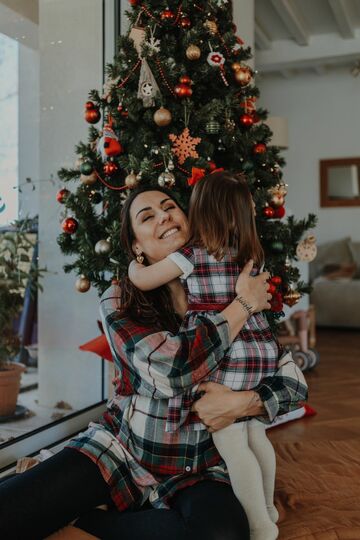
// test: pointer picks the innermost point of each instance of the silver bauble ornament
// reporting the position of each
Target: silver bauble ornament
(88, 179)
(102, 247)
(166, 179)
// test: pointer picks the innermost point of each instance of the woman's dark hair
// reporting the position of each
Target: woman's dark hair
(224, 202)
(152, 308)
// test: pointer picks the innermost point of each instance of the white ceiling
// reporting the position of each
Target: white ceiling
(297, 35)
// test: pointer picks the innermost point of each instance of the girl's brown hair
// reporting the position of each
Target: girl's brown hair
(221, 217)
(152, 308)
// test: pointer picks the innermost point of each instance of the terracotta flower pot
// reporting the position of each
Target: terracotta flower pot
(9, 387)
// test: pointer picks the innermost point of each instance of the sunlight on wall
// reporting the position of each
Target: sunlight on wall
(9, 131)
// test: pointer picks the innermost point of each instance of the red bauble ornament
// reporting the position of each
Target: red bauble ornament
(246, 120)
(62, 195)
(133, 2)
(185, 79)
(212, 166)
(268, 212)
(276, 303)
(69, 225)
(272, 288)
(185, 22)
(167, 15)
(276, 280)
(110, 168)
(259, 148)
(183, 90)
(89, 105)
(279, 212)
(92, 115)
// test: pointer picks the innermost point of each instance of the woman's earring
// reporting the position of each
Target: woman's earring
(140, 258)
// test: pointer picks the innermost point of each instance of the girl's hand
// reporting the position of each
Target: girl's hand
(253, 289)
(221, 406)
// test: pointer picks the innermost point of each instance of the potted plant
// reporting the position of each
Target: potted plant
(18, 270)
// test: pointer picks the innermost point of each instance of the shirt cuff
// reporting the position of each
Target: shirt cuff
(269, 399)
(183, 263)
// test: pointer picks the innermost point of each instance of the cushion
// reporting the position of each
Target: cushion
(355, 252)
(335, 252)
(339, 271)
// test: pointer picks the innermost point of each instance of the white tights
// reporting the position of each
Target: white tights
(250, 460)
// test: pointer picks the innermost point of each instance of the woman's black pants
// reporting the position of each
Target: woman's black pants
(69, 485)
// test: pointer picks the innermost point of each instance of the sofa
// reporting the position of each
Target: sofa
(335, 278)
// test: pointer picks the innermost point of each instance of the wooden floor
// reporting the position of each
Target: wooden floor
(334, 391)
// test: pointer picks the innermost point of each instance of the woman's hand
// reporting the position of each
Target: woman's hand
(253, 289)
(221, 406)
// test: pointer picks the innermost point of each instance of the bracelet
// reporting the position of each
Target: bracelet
(245, 305)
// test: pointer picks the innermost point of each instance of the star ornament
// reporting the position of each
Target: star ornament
(184, 145)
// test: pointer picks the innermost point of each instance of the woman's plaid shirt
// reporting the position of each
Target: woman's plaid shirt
(137, 457)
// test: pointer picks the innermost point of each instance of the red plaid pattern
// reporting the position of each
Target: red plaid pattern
(254, 353)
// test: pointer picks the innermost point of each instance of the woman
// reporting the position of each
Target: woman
(132, 459)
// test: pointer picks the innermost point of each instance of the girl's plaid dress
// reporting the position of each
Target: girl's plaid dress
(252, 356)
(136, 456)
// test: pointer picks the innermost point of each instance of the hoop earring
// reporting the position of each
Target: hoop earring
(140, 258)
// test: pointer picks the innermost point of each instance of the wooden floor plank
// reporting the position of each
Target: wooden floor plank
(334, 392)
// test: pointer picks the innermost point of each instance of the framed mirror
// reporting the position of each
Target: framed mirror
(340, 182)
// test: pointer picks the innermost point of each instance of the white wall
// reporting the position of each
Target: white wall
(324, 122)
(70, 36)
(244, 18)
(29, 115)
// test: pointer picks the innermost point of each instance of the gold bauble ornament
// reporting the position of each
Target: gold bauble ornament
(82, 284)
(243, 75)
(236, 66)
(211, 26)
(162, 117)
(102, 247)
(193, 52)
(291, 297)
(88, 179)
(131, 180)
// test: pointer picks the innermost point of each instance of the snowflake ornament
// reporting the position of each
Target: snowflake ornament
(184, 145)
(154, 45)
(216, 59)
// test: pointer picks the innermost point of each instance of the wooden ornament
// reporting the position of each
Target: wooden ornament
(306, 249)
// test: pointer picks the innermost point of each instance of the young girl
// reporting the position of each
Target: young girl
(222, 239)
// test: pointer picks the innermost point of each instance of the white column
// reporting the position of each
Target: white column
(70, 35)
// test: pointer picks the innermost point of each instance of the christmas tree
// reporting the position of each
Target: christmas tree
(179, 101)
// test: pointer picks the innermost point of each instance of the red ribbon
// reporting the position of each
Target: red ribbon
(198, 174)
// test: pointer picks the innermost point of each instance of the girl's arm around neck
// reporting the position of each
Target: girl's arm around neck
(147, 278)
